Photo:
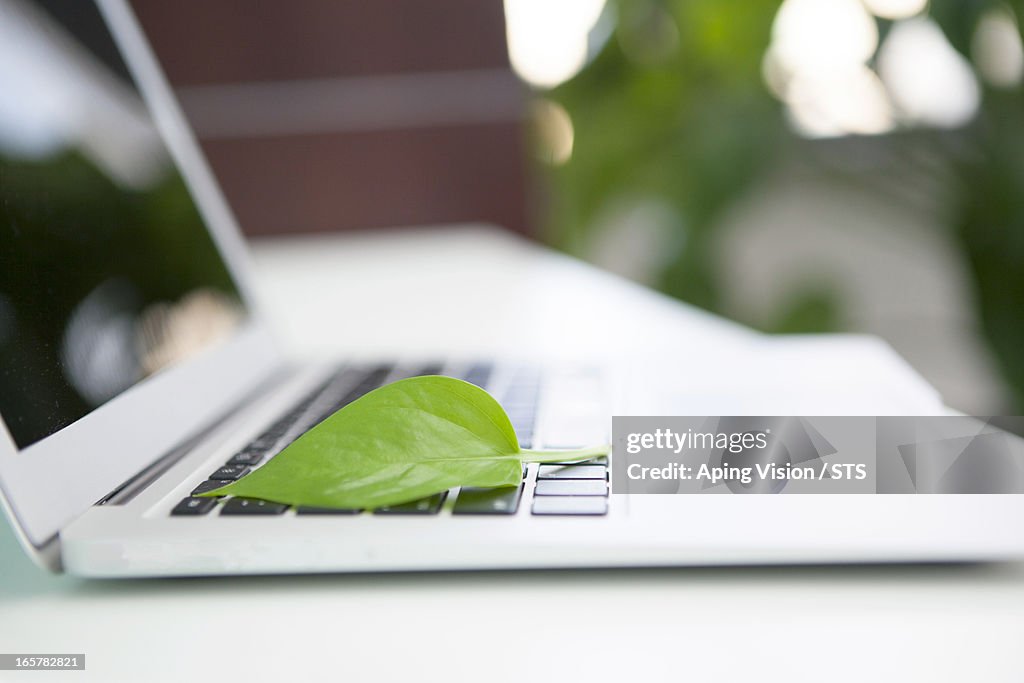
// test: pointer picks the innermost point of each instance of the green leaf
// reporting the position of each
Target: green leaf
(404, 441)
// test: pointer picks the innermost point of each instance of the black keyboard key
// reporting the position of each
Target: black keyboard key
(570, 505)
(262, 443)
(430, 505)
(230, 472)
(372, 380)
(520, 403)
(599, 460)
(285, 422)
(207, 486)
(521, 391)
(521, 414)
(246, 457)
(479, 374)
(431, 369)
(499, 501)
(193, 507)
(519, 398)
(309, 510)
(523, 429)
(270, 438)
(571, 487)
(572, 472)
(252, 506)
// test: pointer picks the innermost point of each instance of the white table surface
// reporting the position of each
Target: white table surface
(379, 295)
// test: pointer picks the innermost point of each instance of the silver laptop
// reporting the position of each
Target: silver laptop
(135, 372)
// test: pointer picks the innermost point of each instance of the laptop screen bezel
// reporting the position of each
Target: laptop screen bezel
(49, 483)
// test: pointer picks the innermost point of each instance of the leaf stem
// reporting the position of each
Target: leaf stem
(570, 455)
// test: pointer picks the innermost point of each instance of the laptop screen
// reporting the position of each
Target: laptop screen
(108, 274)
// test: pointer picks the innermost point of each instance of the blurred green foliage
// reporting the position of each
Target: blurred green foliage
(675, 107)
(689, 122)
(989, 221)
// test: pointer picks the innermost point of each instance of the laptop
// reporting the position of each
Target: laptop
(136, 372)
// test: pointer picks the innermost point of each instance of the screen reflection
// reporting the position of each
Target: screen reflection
(107, 271)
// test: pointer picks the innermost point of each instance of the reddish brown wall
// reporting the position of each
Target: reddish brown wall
(296, 179)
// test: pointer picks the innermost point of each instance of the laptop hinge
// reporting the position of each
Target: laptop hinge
(139, 482)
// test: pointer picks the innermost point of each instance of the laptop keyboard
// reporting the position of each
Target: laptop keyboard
(561, 489)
